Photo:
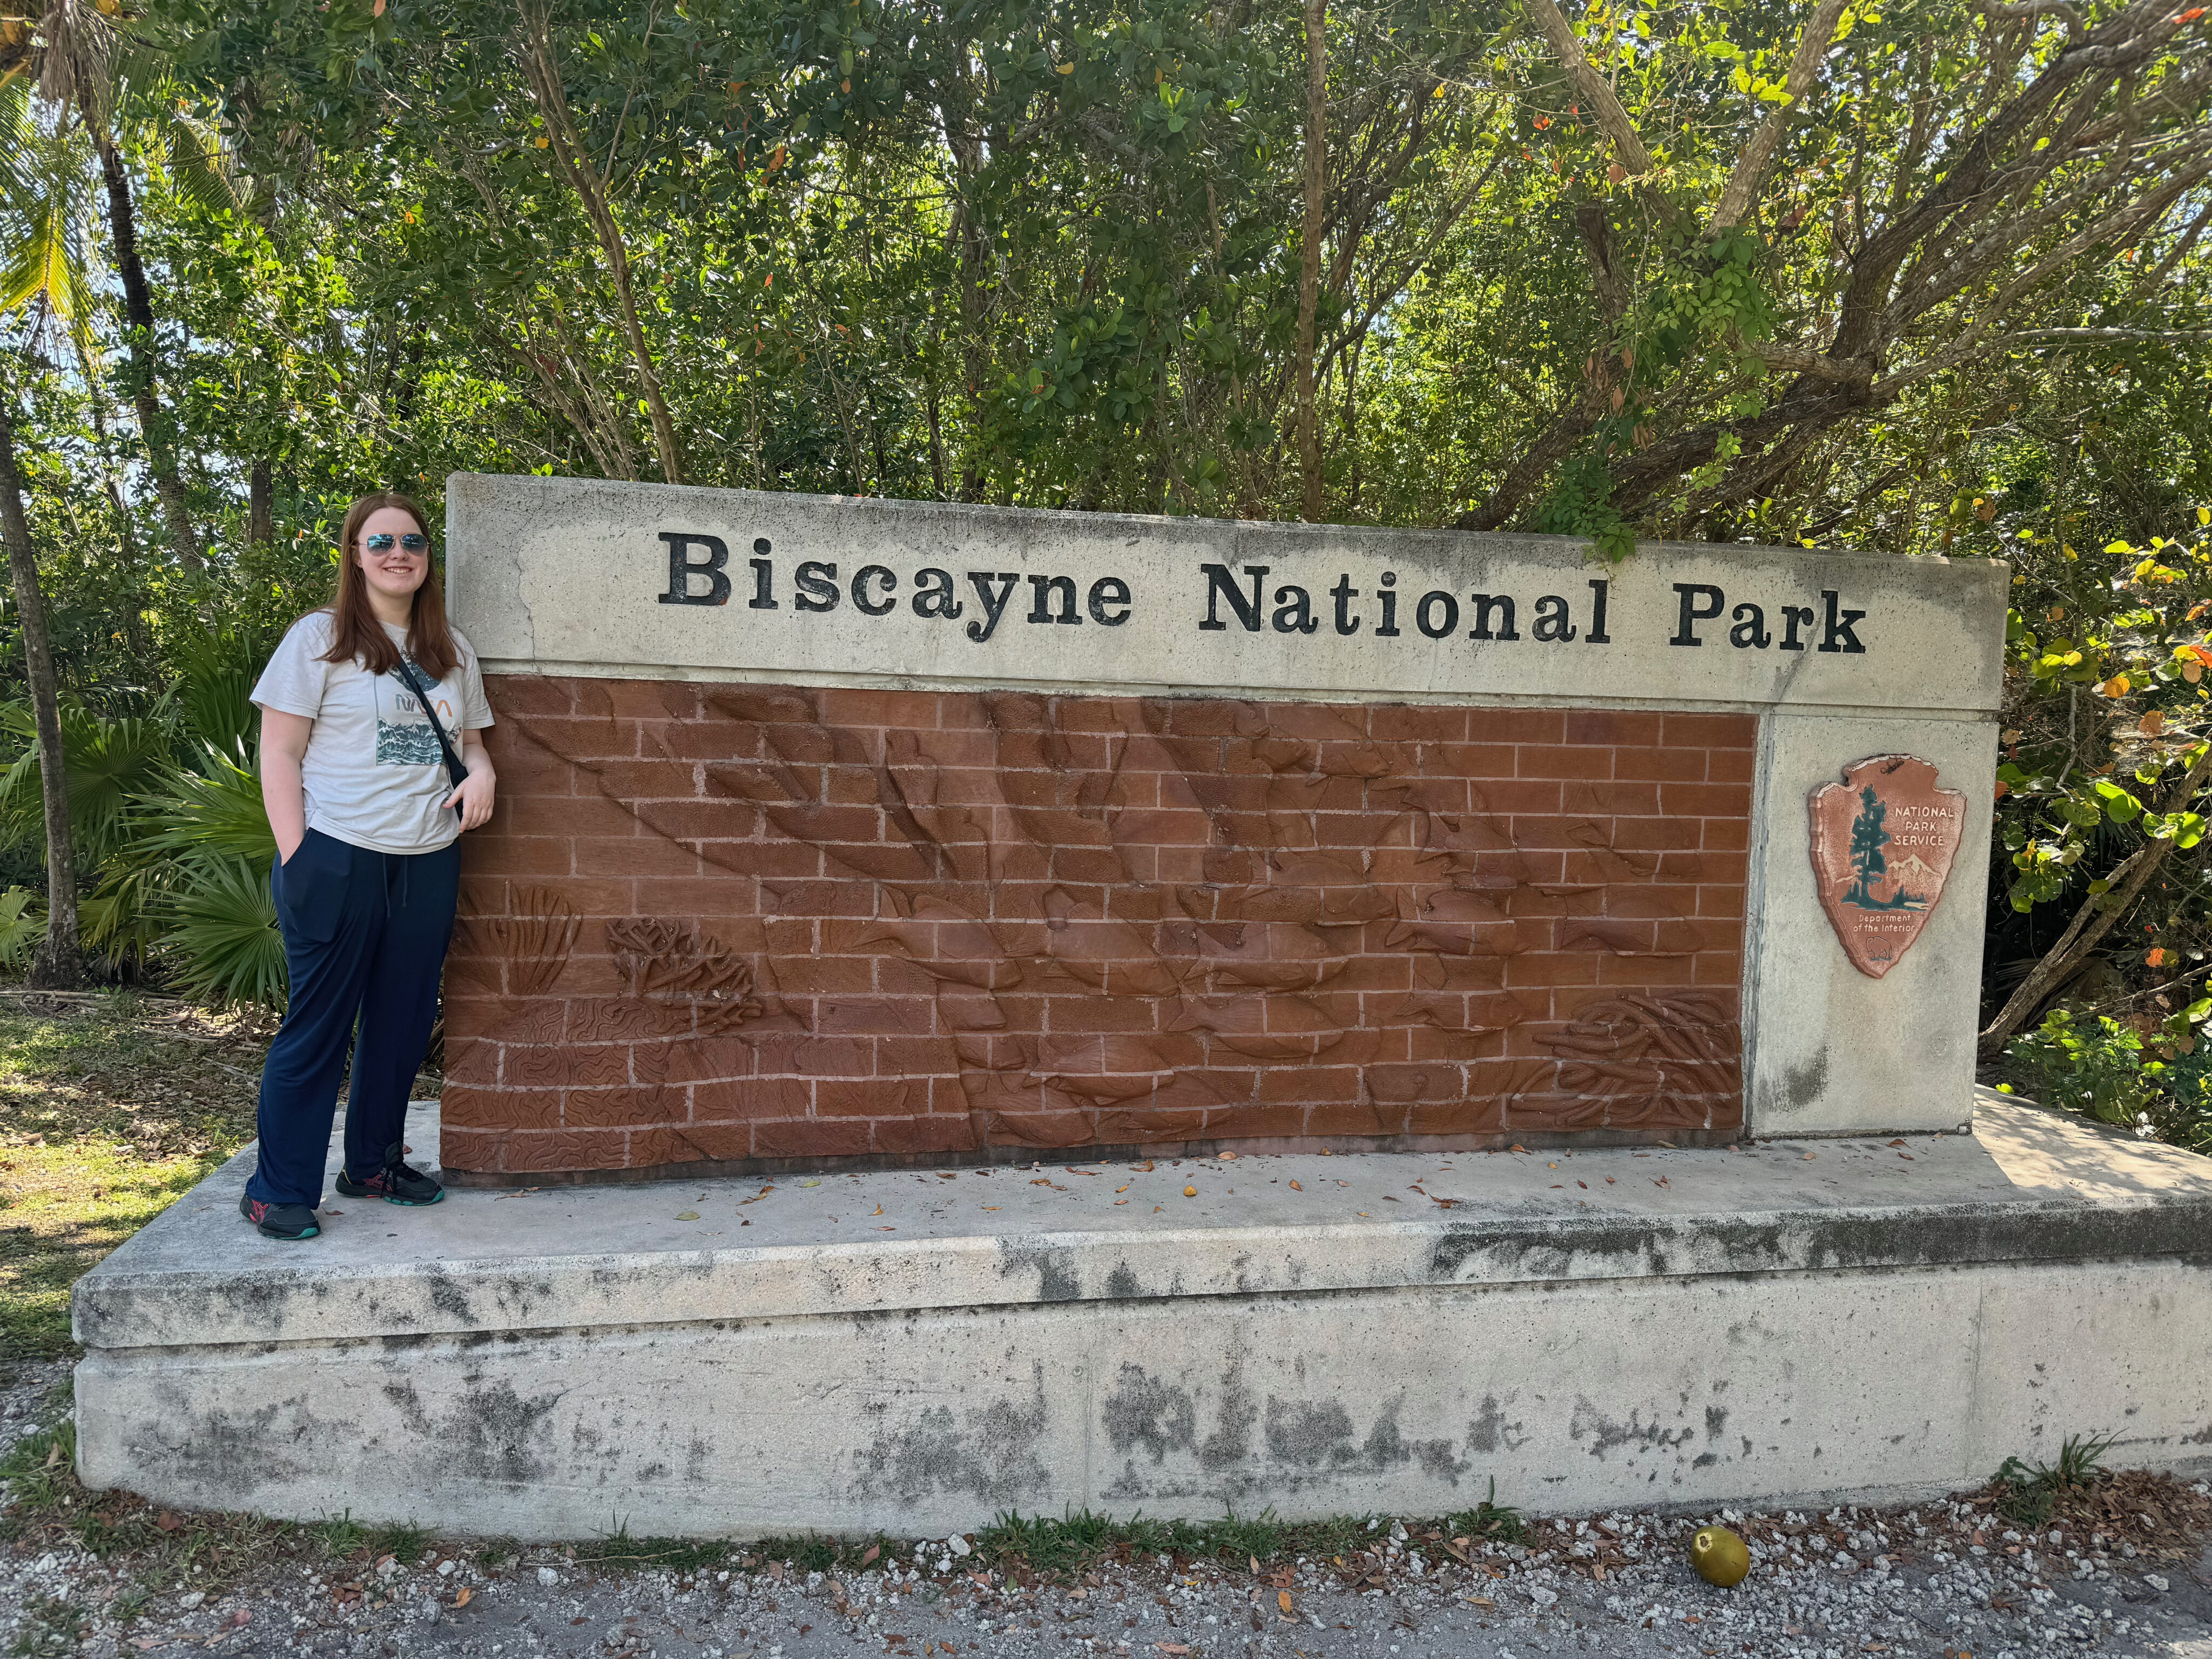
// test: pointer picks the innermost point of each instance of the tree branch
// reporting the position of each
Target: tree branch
(2029, 10)
(544, 78)
(1525, 474)
(1743, 186)
(2092, 922)
(1594, 93)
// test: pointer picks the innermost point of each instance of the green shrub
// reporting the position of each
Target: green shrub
(223, 937)
(2182, 1114)
(22, 925)
(173, 847)
(192, 887)
(2102, 1070)
(2094, 1067)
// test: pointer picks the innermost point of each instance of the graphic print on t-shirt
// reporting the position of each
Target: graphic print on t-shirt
(404, 738)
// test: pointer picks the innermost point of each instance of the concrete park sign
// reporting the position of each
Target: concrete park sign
(887, 831)
(848, 836)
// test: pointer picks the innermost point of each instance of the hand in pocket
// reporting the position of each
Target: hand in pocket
(310, 887)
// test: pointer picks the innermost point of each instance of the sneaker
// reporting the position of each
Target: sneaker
(395, 1183)
(291, 1222)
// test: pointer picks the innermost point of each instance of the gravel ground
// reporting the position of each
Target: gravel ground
(1944, 1578)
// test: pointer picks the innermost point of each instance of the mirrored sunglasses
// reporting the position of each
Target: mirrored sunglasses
(410, 543)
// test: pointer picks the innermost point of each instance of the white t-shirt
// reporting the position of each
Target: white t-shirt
(373, 775)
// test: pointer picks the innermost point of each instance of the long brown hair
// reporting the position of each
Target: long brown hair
(356, 633)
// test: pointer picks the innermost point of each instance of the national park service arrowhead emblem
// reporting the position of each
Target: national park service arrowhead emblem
(1883, 839)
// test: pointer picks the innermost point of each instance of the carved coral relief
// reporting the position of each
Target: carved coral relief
(674, 964)
(533, 943)
(1211, 910)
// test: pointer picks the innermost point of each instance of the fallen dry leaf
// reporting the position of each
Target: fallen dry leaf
(1171, 1647)
(462, 1598)
(1283, 1600)
(1296, 1188)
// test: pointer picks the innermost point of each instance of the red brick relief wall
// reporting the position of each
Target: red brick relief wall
(728, 922)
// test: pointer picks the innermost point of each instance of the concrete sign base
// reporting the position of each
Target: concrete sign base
(920, 1352)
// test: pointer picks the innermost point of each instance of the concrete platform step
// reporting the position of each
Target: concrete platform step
(919, 1351)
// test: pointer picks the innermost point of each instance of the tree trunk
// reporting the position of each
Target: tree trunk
(59, 962)
(260, 505)
(154, 426)
(967, 241)
(2091, 922)
(140, 640)
(1314, 506)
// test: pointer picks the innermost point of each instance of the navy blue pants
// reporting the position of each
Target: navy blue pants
(365, 937)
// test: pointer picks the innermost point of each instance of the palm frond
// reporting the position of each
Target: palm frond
(22, 924)
(215, 810)
(223, 937)
(215, 672)
(19, 144)
(37, 259)
(45, 216)
(108, 763)
(199, 168)
(77, 56)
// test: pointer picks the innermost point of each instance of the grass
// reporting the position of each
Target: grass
(113, 1106)
(1041, 1547)
(2029, 1492)
(1046, 1547)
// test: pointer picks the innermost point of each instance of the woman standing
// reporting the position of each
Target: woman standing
(361, 708)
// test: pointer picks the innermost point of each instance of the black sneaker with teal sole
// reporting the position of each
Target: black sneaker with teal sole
(289, 1222)
(395, 1183)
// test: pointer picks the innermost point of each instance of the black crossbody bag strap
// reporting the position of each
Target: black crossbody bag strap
(454, 769)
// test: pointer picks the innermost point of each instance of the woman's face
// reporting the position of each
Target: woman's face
(392, 570)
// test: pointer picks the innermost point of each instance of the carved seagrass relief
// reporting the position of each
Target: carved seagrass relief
(1883, 841)
(824, 922)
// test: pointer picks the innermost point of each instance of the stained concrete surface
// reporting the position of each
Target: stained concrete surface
(2027, 1186)
(921, 1351)
(1912, 1582)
